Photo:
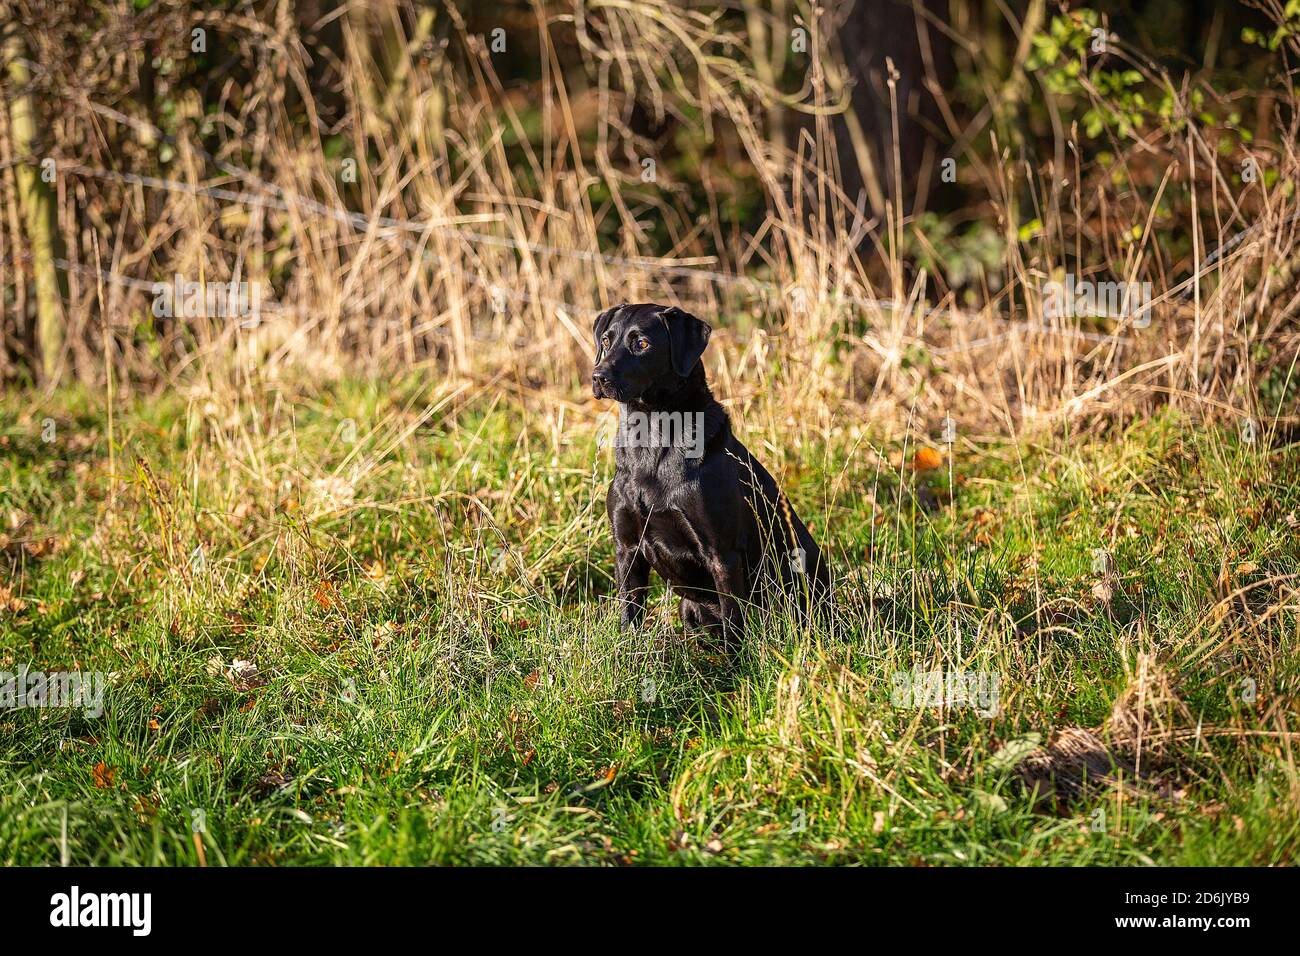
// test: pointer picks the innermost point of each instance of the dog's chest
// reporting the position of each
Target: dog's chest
(649, 478)
(657, 512)
(672, 545)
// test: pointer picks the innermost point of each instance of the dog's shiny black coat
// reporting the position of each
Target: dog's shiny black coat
(714, 527)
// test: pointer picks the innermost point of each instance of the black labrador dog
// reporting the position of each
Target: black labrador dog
(688, 499)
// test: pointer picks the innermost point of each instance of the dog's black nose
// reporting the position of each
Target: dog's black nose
(599, 381)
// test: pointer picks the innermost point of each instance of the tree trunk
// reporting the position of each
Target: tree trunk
(37, 201)
(869, 32)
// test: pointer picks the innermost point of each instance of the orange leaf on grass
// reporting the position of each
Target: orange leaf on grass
(326, 596)
(927, 459)
(103, 775)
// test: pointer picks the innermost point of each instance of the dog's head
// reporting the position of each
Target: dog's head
(645, 348)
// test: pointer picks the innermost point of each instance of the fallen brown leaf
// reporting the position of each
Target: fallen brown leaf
(244, 675)
(326, 596)
(103, 775)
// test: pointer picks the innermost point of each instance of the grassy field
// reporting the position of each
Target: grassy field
(370, 623)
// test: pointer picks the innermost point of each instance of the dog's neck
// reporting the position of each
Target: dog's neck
(687, 394)
(690, 394)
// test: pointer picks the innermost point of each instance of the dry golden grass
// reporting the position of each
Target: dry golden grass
(485, 263)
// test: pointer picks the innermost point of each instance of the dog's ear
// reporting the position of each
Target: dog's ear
(598, 331)
(687, 338)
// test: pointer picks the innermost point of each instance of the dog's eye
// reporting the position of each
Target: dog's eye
(640, 345)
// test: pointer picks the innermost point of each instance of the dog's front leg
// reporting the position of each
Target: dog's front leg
(632, 571)
(731, 582)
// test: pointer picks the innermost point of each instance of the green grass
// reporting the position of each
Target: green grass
(445, 681)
